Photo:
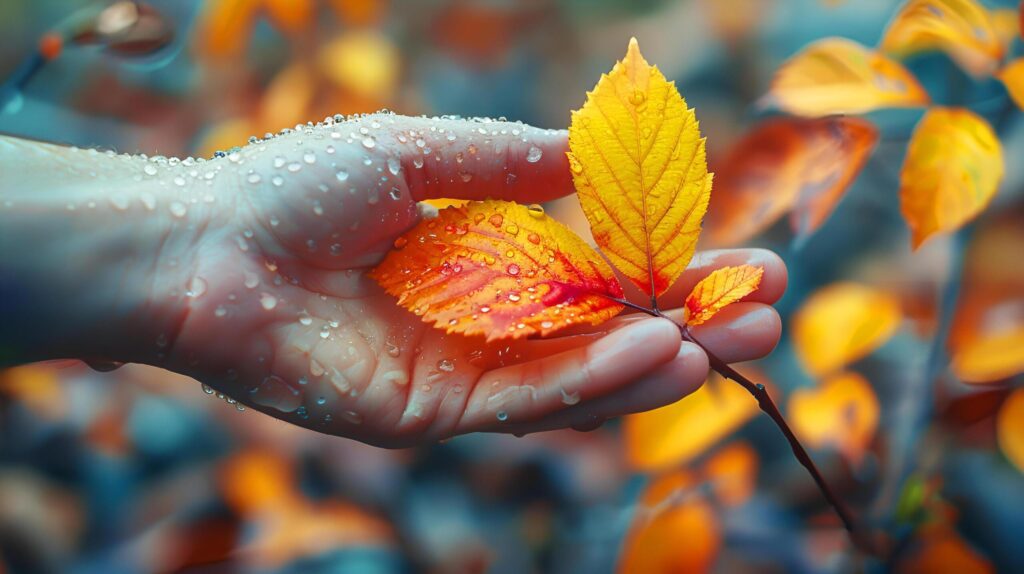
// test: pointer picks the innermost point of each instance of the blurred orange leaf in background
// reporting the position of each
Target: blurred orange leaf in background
(1010, 428)
(991, 357)
(261, 485)
(677, 433)
(638, 162)
(841, 412)
(498, 269)
(675, 529)
(840, 76)
(942, 551)
(719, 289)
(226, 25)
(841, 323)
(1012, 77)
(787, 163)
(951, 172)
(963, 29)
(732, 473)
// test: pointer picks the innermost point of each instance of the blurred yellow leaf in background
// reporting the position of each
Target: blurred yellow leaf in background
(677, 433)
(964, 29)
(841, 323)
(841, 412)
(365, 63)
(675, 529)
(991, 357)
(951, 172)
(732, 473)
(638, 162)
(1012, 77)
(840, 76)
(1010, 428)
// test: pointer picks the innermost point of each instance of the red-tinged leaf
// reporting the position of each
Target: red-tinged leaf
(784, 164)
(499, 269)
(720, 289)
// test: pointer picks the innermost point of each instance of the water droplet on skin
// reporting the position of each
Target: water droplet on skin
(342, 175)
(373, 196)
(510, 179)
(309, 157)
(446, 365)
(335, 249)
(179, 181)
(417, 162)
(534, 154)
(149, 169)
(533, 238)
(394, 166)
(318, 209)
(268, 301)
(254, 178)
(401, 242)
(178, 209)
(546, 324)
(369, 142)
(294, 166)
(196, 288)
(279, 162)
(220, 311)
(393, 350)
(119, 202)
(466, 176)
(277, 180)
(207, 389)
(275, 393)
(316, 369)
(420, 143)
(400, 378)
(570, 398)
(502, 416)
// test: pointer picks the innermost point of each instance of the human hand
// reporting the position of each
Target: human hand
(269, 302)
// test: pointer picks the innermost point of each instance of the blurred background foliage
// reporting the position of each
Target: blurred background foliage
(899, 368)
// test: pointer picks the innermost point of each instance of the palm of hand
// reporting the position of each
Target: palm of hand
(281, 315)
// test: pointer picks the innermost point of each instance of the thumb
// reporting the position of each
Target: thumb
(479, 159)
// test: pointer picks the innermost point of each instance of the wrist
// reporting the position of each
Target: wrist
(96, 252)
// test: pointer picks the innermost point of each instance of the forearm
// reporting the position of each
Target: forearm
(92, 255)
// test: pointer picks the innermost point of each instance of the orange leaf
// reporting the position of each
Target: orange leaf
(1010, 428)
(841, 323)
(639, 166)
(839, 76)
(719, 289)
(962, 28)
(842, 412)
(941, 550)
(952, 169)
(784, 162)
(1012, 77)
(225, 26)
(498, 269)
(732, 472)
(674, 530)
(991, 356)
(677, 433)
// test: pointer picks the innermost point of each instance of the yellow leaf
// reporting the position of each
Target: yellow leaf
(839, 76)
(963, 29)
(1010, 428)
(1013, 77)
(841, 323)
(677, 433)
(639, 166)
(675, 529)
(365, 63)
(787, 163)
(952, 169)
(498, 269)
(991, 357)
(842, 412)
(442, 203)
(719, 289)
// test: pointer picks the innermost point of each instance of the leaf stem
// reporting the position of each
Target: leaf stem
(768, 406)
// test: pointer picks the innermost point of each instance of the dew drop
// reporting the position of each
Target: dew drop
(309, 157)
(534, 154)
(178, 209)
(179, 181)
(277, 180)
(513, 269)
(316, 369)
(250, 280)
(393, 350)
(395, 193)
(446, 365)
(268, 301)
(502, 416)
(570, 398)
(394, 166)
(637, 97)
(149, 169)
(294, 166)
(342, 175)
(274, 392)
(400, 242)
(196, 288)
(535, 210)
(352, 417)
(369, 142)
(254, 178)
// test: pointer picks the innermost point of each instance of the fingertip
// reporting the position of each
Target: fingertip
(741, 332)
(776, 275)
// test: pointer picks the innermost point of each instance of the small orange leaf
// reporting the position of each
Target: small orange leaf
(962, 28)
(839, 76)
(639, 166)
(1010, 428)
(841, 323)
(498, 269)
(719, 289)
(1012, 77)
(787, 162)
(842, 412)
(940, 550)
(677, 433)
(675, 529)
(732, 472)
(952, 170)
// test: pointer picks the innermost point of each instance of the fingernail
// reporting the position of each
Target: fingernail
(647, 336)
